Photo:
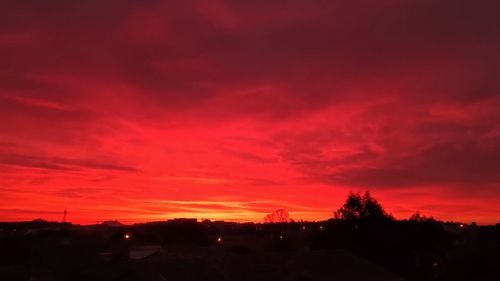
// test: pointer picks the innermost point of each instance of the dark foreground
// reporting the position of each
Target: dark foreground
(187, 250)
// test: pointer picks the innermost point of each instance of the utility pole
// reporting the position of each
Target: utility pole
(64, 216)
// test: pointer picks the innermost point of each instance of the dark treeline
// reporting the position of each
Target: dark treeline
(418, 248)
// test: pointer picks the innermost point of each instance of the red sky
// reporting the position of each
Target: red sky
(149, 110)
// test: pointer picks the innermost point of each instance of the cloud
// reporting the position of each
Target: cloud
(248, 156)
(80, 192)
(293, 100)
(316, 55)
(32, 162)
(34, 212)
(400, 146)
(61, 164)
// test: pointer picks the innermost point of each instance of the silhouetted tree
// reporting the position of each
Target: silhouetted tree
(278, 216)
(352, 207)
(420, 218)
(358, 207)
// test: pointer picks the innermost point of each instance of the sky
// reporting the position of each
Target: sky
(150, 110)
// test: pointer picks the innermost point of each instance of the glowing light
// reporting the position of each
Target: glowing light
(127, 236)
(321, 228)
(219, 239)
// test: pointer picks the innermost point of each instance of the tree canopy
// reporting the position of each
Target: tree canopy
(420, 218)
(278, 216)
(359, 206)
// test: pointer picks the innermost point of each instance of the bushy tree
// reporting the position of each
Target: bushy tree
(420, 218)
(278, 216)
(359, 207)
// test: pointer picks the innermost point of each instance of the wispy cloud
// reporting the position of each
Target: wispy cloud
(61, 164)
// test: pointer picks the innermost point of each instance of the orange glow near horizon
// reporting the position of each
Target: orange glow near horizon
(151, 111)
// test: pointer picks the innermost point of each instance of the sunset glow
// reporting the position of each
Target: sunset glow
(228, 110)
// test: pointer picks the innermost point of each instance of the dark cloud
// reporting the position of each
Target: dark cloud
(95, 164)
(16, 211)
(317, 51)
(32, 162)
(446, 163)
(378, 94)
(396, 145)
(61, 164)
